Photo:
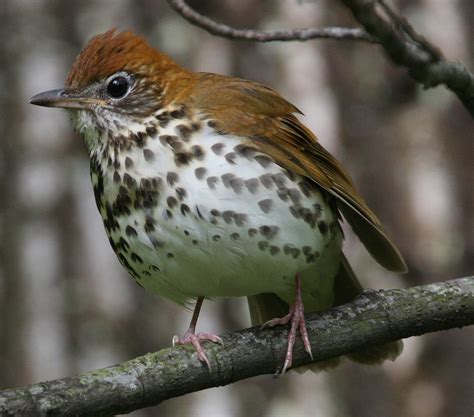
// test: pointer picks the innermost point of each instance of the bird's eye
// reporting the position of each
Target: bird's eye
(118, 87)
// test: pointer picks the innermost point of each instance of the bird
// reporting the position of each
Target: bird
(210, 186)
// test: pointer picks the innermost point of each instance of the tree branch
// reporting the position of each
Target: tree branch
(229, 32)
(374, 317)
(405, 47)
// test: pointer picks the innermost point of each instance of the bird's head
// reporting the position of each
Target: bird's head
(116, 82)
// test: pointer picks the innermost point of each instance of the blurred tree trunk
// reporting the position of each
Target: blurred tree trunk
(13, 361)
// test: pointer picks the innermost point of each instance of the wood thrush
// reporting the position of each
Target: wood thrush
(209, 186)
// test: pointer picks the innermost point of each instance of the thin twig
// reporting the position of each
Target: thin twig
(373, 318)
(424, 61)
(219, 29)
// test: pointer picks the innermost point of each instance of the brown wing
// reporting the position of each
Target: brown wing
(249, 109)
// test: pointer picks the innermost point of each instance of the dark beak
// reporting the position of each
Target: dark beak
(64, 98)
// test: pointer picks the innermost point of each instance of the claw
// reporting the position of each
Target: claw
(193, 338)
(296, 318)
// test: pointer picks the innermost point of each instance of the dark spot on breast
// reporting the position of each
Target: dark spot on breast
(252, 232)
(195, 242)
(226, 179)
(123, 244)
(171, 178)
(130, 231)
(171, 202)
(200, 172)
(180, 193)
(289, 249)
(149, 224)
(266, 205)
(215, 212)
(155, 268)
(136, 258)
(310, 258)
(252, 185)
(121, 205)
(148, 154)
(235, 236)
(306, 250)
(218, 148)
(128, 162)
(182, 158)
(184, 132)
(305, 188)
(163, 118)
(169, 255)
(283, 193)
(294, 210)
(197, 152)
(274, 250)
(269, 231)
(216, 238)
(266, 180)
(295, 195)
(112, 243)
(156, 182)
(178, 114)
(184, 208)
(151, 131)
(228, 216)
(157, 244)
(245, 151)
(211, 182)
(263, 244)
(140, 139)
(230, 157)
(308, 216)
(186, 232)
(211, 123)
(116, 177)
(263, 160)
(236, 184)
(240, 218)
(129, 181)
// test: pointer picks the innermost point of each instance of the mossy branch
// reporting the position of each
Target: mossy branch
(374, 317)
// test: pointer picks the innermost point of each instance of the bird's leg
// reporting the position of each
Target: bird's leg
(296, 319)
(193, 338)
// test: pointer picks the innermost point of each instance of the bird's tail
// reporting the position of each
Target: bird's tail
(264, 307)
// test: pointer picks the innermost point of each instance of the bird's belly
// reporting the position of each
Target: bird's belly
(221, 228)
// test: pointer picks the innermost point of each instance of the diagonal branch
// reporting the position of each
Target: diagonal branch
(373, 318)
(229, 32)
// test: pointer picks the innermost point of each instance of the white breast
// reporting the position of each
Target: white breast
(226, 220)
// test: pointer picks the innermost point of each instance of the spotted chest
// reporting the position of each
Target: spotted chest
(194, 212)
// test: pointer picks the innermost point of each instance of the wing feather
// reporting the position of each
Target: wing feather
(251, 110)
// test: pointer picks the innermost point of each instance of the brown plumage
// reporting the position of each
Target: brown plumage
(187, 219)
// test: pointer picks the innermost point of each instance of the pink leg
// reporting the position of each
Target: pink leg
(193, 338)
(296, 318)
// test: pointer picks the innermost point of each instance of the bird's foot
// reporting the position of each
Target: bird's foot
(192, 338)
(296, 319)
